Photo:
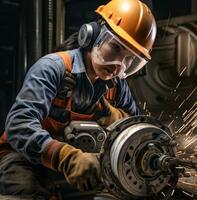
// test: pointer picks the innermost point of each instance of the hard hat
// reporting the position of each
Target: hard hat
(132, 21)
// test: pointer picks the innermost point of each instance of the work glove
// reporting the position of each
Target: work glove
(114, 114)
(80, 169)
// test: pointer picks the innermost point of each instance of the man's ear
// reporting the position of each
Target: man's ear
(88, 34)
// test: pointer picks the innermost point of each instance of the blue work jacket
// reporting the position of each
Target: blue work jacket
(23, 124)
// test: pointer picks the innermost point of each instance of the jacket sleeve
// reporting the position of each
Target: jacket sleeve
(125, 98)
(23, 127)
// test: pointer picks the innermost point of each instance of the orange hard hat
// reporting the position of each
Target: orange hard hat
(132, 21)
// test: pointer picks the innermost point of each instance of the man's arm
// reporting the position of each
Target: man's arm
(32, 105)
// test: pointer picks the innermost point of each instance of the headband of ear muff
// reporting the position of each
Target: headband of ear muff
(88, 34)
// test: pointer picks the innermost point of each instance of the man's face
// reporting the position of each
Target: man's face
(111, 58)
(106, 72)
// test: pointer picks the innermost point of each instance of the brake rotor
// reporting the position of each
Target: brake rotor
(127, 161)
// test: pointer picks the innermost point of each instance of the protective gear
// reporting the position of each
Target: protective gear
(110, 50)
(88, 34)
(133, 21)
(61, 110)
(80, 169)
(114, 115)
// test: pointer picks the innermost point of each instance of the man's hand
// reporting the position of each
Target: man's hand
(114, 115)
(81, 170)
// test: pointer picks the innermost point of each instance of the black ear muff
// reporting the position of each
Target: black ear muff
(88, 34)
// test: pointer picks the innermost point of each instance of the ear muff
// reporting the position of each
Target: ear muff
(88, 34)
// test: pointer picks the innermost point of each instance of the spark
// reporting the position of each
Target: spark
(170, 123)
(179, 153)
(178, 84)
(194, 125)
(191, 120)
(187, 139)
(172, 193)
(182, 71)
(191, 142)
(163, 194)
(189, 114)
(184, 113)
(180, 129)
(144, 107)
(175, 99)
(190, 131)
(193, 107)
(191, 93)
(181, 104)
(191, 195)
(160, 114)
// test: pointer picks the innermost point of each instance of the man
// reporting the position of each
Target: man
(79, 84)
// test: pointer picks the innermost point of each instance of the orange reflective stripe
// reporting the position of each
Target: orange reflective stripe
(4, 137)
(68, 67)
(48, 153)
(67, 60)
(63, 103)
(79, 116)
(53, 126)
(111, 94)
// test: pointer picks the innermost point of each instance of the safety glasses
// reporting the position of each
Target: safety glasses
(110, 50)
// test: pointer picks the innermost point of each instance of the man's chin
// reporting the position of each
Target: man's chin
(105, 78)
(106, 75)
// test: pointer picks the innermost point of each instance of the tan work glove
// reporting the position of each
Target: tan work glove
(114, 115)
(81, 170)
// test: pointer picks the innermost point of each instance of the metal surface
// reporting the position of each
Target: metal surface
(60, 22)
(50, 20)
(168, 88)
(22, 46)
(125, 153)
(130, 156)
(34, 25)
(85, 135)
(186, 51)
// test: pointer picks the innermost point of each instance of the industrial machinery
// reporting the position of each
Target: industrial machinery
(137, 157)
(85, 135)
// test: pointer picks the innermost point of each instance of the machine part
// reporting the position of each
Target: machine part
(60, 22)
(165, 163)
(186, 51)
(170, 79)
(87, 136)
(133, 147)
(50, 25)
